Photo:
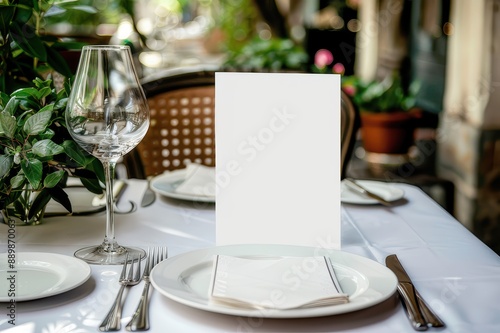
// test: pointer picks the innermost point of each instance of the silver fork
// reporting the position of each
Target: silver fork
(140, 319)
(112, 320)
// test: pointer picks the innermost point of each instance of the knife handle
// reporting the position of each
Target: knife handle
(432, 319)
(409, 298)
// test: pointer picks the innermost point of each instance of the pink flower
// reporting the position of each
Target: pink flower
(323, 58)
(349, 90)
(338, 68)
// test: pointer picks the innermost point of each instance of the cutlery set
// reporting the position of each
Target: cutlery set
(420, 315)
(130, 276)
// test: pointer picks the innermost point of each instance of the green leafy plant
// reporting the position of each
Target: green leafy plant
(384, 96)
(25, 53)
(37, 153)
(264, 55)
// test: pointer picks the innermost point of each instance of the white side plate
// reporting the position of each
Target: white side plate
(185, 278)
(39, 275)
(166, 183)
(385, 190)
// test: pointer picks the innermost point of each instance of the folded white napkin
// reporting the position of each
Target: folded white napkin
(200, 181)
(275, 283)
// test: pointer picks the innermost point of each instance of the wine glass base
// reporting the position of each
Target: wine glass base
(98, 255)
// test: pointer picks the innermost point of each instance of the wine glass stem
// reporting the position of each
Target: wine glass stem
(110, 244)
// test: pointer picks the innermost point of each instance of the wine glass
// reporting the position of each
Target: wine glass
(107, 115)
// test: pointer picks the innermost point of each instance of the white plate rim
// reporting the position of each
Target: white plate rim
(374, 186)
(172, 177)
(166, 277)
(78, 272)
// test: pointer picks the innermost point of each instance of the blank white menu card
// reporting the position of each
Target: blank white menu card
(278, 159)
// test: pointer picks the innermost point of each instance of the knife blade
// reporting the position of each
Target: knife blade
(418, 311)
(149, 196)
(351, 183)
(407, 292)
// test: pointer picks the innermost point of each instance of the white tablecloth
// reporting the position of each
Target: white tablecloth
(455, 272)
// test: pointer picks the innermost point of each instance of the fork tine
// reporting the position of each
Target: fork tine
(124, 268)
(130, 269)
(148, 260)
(137, 275)
(163, 254)
(153, 259)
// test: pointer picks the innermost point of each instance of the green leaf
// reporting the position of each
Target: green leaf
(6, 15)
(39, 83)
(6, 162)
(17, 181)
(83, 8)
(32, 168)
(61, 103)
(47, 134)
(5, 98)
(68, 45)
(3, 85)
(92, 185)
(37, 122)
(54, 11)
(74, 152)
(97, 167)
(23, 11)
(28, 104)
(25, 92)
(39, 203)
(7, 124)
(46, 147)
(52, 179)
(49, 107)
(19, 205)
(27, 39)
(58, 194)
(11, 106)
(44, 92)
(57, 62)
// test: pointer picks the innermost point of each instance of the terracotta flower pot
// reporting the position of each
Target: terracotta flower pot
(388, 133)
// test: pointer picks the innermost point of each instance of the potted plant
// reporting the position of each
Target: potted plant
(387, 111)
(276, 54)
(38, 154)
(25, 52)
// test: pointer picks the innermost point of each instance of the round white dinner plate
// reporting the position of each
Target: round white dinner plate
(185, 278)
(166, 183)
(39, 275)
(385, 190)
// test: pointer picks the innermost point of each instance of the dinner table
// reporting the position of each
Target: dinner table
(456, 273)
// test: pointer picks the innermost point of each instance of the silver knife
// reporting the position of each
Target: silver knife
(149, 196)
(420, 315)
(432, 319)
(361, 189)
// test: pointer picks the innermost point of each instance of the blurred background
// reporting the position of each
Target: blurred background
(443, 55)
